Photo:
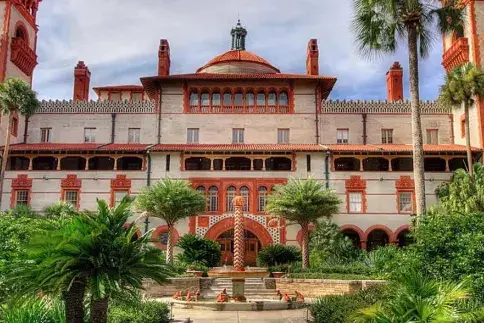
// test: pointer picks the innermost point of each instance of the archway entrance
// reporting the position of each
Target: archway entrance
(252, 247)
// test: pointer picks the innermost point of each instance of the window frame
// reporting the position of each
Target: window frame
(361, 202)
(342, 131)
(137, 135)
(71, 190)
(412, 201)
(281, 135)
(92, 137)
(116, 191)
(191, 133)
(265, 194)
(387, 136)
(27, 197)
(213, 207)
(429, 137)
(237, 134)
(42, 134)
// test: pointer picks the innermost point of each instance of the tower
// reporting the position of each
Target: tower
(164, 60)
(395, 83)
(312, 59)
(18, 40)
(82, 79)
(238, 34)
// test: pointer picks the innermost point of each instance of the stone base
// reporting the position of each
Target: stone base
(237, 306)
(238, 274)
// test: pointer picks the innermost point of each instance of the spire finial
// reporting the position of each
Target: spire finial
(238, 34)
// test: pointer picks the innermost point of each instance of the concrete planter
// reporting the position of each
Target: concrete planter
(197, 273)
(277, 274)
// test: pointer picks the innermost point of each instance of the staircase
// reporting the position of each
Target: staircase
(255, 289)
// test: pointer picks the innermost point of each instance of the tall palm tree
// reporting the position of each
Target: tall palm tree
(171, 200)
(16, 96)
(303, 202)
(415, 298)
(381, 25)
(461, 86)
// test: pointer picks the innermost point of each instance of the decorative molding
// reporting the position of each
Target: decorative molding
(376, 107)
(22, 182)
(71, 106)
(121, 182)
(71, 182)
(23, 56)
(355, 183)
(203, 221)
(404, 183)
(457, 54)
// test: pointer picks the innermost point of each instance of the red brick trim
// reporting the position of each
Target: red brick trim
(405, 184)
(250, 225)
(21, 183)
(356, 185)
(71, 183)
(405, 227)
(159, 231)
(120, 183)
(358, 231)
(382, 227)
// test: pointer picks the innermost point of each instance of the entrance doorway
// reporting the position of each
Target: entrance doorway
(252, 247)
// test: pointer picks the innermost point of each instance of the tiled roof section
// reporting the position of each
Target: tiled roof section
(239, 147)
(237, 56)
(124, 147)
(118, 88)
(78, 147)
(397, 148)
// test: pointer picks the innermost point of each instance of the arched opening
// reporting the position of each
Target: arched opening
(402, 164)
(18, 163)
(347, 164)
(258, 164)
(239, 99)
(194, 99)
(21, 33)
(252, 247)
(73, 163)
(353, 236)
(244, 192)
(272, 98)
(237, 163)
(44, 163)
(261, 198)
(101, 163)
(376, 164)
(404, 239)
(376, 239)
(278, 163)
(130, 163)
(434, 164)
(216, 102)
(250, 99)
(197, 163)
(212, 199)
(205, 99)
(227, 99)
(458, 163)
(283, 99)
(229, 196)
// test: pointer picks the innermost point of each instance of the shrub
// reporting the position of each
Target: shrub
(391, 261)
(60, 209)
(33, 311)
(22, 211)
(337, 276)
(338, 309)
(199, 250)
(139, 312)
(278, 254)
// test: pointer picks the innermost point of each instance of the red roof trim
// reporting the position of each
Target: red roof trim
(238, 56)
(398, 148)
(118, 88)
(238, 147)
(77, 147)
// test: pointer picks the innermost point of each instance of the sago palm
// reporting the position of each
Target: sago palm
(380, 26)
(303, 202)
(462, 85)
(16, 96)
(171, 200)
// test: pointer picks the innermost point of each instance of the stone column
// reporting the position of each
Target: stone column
(239, 243)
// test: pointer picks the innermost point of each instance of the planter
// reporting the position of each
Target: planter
(278, 274)
(197, 273)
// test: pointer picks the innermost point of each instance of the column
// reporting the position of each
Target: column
(361, 164)
(238, 284)
(59, 158)
(115, 163)
(31, 159)
(87, 164)
(390, 165)
(211, 163)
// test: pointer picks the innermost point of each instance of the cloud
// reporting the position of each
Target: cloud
(118, 40)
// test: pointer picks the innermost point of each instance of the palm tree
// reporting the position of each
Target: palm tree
(415, 298)
(381, 25)
(171, 200)
(96, 254)
(16, 96)
(303, 202)
(461, 86)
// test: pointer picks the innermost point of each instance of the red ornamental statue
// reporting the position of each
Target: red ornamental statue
(299, 297)
(177, 295)
(223, 297)
(286, 298)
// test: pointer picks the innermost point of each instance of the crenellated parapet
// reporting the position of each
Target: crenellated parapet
(144, 106)
(376, 107)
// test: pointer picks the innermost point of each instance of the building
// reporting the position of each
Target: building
(236, 126)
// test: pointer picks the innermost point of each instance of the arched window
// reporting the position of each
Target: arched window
(262, 198)
(261, 99)
(249, 99)
(227, 99)
(193, 99)
(376, 239)
(201, 189)
(347, 164)
(271, 100)
(213, 199)
(239, 99)
(244, 192)
(376, 164)
(216, 100)
(283, 99)
(205, 99)
(231, 191)
(130, 163)
(21, 33)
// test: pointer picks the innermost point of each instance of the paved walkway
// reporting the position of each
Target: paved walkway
(200, 316)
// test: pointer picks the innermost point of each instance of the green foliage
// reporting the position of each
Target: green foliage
(143, 311)
(199, 250)
(338, 276)
(61, 209)
(416, 298)
(278, 254)
(16, 95)
(338, 309)
(33, 310)
(462, 85)
(391, 261)
(22, 211)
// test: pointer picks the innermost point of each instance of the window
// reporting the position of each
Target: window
(194, 99)
(167, 166)
(462, 126)
(134, 135)
(14, 129)
(262, 199)
(308, 163)
(229, 197)
(227, 99)
(249, 99)
(89, 134)
(342, 136)
(239, 99)
(216, 99)
(432, 136)
(118, 196)
(271, 100)
(45, 134)
(71, 197)
(192, 135)
(137, 96)
(237, 136)
(283, 101)
(244, 192)
(261, 99)
(213, 199)
(282, 136)
(205, 99)
(22, 197)
(355, 202)
(115, 96)
(405, 203)
(387, 136)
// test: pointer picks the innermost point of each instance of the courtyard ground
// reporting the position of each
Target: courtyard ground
(201, 316)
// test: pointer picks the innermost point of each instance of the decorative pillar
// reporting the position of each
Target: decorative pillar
(59, 162)
(87, 163)
(31, 160)
(390, 165)
(211, 163)
(238, 284)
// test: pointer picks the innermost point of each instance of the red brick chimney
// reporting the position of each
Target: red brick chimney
(395, 83)
(82, 79)
(164, 58)
(312, 60)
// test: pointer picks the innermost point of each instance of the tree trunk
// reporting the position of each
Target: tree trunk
(74, 302)
(169, 245)
(418, 158)
(305, 245)
(468, 139)
(99, 310)
(5, 155)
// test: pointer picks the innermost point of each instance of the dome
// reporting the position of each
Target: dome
(238, 62)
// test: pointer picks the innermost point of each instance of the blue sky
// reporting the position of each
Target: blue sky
(118, 40)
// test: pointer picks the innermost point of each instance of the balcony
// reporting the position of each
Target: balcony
(457, 54)
(23, 56)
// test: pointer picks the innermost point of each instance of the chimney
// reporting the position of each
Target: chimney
(312, 60)
(395, 83)
(164, 58)
(82, 79)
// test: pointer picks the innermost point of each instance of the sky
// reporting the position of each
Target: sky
(119, 39)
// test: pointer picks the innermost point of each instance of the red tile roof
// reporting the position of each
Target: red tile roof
(398, 148)
(238, 147)
(237, 56)
(118, 88)
(124, 147)
(77, 147)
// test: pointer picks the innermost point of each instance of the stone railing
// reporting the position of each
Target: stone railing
(375, 107)
(96, 107)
